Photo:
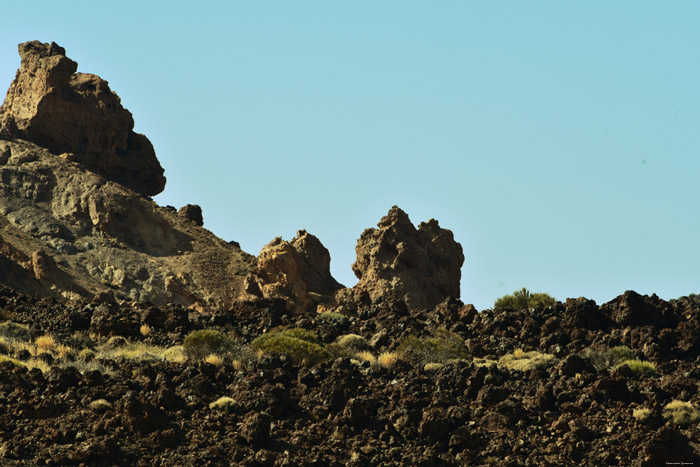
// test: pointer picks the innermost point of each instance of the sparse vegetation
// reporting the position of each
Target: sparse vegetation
(520, 360)
(639, 366)
(441, 348)
(45, 342)
(523, 299)
(681, 413)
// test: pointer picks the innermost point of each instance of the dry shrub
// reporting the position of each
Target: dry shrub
(641, 414)
(45, 342)
(366, 356)
(213, 359)
(387, 359)
(63, 350)
(145, 330)
(100, 405)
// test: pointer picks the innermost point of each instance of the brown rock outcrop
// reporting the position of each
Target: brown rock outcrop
(298, 271)
(49, 104)
(67, 232)
(419, 266)
(192, 212)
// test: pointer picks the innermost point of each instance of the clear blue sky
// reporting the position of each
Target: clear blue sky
(558, 140)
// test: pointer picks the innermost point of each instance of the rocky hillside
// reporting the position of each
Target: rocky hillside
(75, 214)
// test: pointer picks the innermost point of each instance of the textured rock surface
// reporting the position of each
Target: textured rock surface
(419, 266)
(297, 271)
(51, 105)
(66, 231)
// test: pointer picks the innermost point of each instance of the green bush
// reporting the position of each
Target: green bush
(199, 344)
(604, 358)
(523, 299)
(441, 348)
(639, 366)
(302, 346)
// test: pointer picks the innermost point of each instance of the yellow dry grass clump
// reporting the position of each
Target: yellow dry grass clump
(100, 405)
(45, 342)
(213, 359)
(366, 356)
(145, 330)
(387, 359)
(221, 402)
(641, 414)
(520, 360)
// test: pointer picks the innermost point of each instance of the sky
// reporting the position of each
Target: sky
(558, 141)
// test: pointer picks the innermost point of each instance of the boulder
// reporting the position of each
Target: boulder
(49, 104)
(192, 212)
(419, 266)
(297, 271)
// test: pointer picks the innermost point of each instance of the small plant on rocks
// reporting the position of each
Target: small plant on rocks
(441, 348)
(100, 405)
(681, 413)
(641, 414)
(221, 402)
(524, 361)
(523, 299)
(639, 366)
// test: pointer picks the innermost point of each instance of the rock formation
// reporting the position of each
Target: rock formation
(51, 105)
(68, 230)
(419, 266)
(298, 271)
(192, 212)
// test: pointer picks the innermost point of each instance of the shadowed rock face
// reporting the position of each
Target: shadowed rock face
(297, 271)
(51, 105)
(419, 266)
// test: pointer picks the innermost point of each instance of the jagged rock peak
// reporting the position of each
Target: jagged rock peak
(297, 271)
(51, 105)
(420, 266)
